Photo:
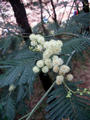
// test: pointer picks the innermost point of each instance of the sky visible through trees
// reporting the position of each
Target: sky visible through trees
(63, 9)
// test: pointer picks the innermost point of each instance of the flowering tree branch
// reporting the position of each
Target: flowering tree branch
(45, 95)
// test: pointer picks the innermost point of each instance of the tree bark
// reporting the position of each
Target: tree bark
(20, 15)
(54, 12)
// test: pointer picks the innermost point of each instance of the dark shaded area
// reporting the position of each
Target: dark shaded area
(85, 5)
(86, 9)
(45, 80)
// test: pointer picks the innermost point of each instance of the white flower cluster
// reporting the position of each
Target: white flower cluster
(52, 47)
(40, 65)
(51, 60)
(37, 41)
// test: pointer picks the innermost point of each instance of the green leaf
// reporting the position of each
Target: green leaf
(60, 107)
(9, 109)
(21, 93)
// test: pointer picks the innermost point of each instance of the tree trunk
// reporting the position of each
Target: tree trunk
(20, 15)
(85, 5)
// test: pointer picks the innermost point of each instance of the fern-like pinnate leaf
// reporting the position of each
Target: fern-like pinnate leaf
(77, 44)
(19, 69)
(8, 108)
(10, 42)
(74, 108)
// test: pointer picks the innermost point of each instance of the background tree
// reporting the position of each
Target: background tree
(85, 5)
(20, 15)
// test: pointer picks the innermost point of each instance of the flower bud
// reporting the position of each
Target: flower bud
(11, 88)
(59, 79)
(36, 69)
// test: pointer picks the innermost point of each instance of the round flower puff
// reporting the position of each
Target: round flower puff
(45, 69)
(64, 69)
(69, 77)
(48, 63)
(32, 37)
(57, 61)
(40, 63)
(55, 69)
(59, 79)
(36, 69)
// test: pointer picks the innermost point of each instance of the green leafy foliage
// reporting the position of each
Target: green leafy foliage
(74, 108)
(77, 44)
(8, 108)
(78, 23)
(17, 70)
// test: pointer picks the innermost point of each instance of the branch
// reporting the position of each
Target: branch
(37, 105)
(70, 13)
(55, 16)
(63, 33)
(69, 59)
(40, 2)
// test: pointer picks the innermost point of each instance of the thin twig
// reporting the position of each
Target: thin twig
(69, 59)
(63, 15)
(70, 13)
(41, 7)
(37, 105)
